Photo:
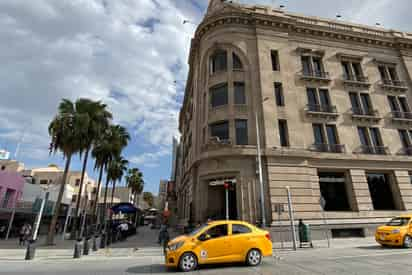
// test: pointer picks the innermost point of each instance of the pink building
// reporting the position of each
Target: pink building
(11, 188)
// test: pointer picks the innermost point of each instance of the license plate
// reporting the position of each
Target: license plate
(382, 237)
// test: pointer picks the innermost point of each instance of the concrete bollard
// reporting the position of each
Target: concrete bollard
(77, 249)
(31, 250)
(86, 246)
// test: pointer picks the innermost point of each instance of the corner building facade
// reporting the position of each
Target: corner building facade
(332, 103)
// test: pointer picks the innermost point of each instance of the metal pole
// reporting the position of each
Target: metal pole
(11, 222)
(262, 196)
(39, 216)
(326, 227)
(66, 222)
(227, 203)
(292, 220)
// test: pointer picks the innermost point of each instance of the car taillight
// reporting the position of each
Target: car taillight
(268, 237)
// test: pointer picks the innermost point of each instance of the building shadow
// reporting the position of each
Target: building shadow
(379, 247)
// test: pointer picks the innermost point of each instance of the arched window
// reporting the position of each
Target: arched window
(237, 64)
(218, 61)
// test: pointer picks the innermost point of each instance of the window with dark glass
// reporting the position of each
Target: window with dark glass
(324, 97)
(357, 69)
(376, 137)
(361, 104)
(317, 66)
(240, 96)
(392, 73)
(393, 103)
(355, 103)
(240, 229)
(410, 177)
(218, 61)
(334, 190)
(306, 65)
(241, 132)
(217, 231)
(332, 135)
(405, 140)
(7, 197)
(219, 95)
(43, 182)
(346, 70)
(237, 64)
(383, 72)
(381, 192)
(220, 130)
(312, 99)
(283, 133)
(388, 74)
(404, 104)
(280, 100)
(77, 182)
(274, 55)
(318, 134)
(363, 136)
(366, 104)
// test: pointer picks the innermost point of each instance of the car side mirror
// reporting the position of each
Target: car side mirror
(204, 237)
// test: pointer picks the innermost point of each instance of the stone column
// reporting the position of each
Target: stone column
(361, 190)
(405, 189)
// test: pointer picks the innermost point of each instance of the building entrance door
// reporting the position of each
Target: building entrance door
(217, 201)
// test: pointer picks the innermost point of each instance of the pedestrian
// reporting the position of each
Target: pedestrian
(164, 237)
(57, 228)
(2, 231)
(22, 233)
(27, 233)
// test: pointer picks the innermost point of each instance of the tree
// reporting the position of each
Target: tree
(134, 180)
(116, 170)
(95, 118)
(148, 198)
(64, 134)
(115, 140)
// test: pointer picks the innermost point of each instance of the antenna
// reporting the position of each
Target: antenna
(16, 153)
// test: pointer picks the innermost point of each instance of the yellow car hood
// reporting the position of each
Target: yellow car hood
(181, 238)
(387, 228)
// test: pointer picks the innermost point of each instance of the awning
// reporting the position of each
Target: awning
(125, 208)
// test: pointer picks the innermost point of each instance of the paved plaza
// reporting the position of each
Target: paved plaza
(141, 255)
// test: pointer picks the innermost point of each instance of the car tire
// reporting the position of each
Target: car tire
(187, 262)
(253, 257)
(407, 241)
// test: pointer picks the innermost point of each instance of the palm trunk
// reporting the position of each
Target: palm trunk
(113, 189)
(79, 196)
(105, 198)
(97, 196)
(52, 228)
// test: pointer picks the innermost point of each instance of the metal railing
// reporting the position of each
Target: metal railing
(374, 150)
(401, 115)
(321, 108)
(394, 83)
(361, 112)
(356, 78)
(329, 148)
(316, 74)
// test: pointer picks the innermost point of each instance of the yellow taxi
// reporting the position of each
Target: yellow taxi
(219, 242)
(397, 232)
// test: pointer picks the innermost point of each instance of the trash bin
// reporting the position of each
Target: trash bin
(304, 235)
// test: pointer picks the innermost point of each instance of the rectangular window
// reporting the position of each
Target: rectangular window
(404, 104)
(218, 62)
(357, 70)
(220, 130)
(240, 96)
(366, 104)
(44, 182)
(403, 134)
(410, 177)
(393, 74)
(317, 66)
(318, 134)
(241, 132)
(332, 134)
(274, 55)
(363, 136)
(376, 137)
(283, 133)
(312, 99)
(219, 95)
(383, 73)
(393, 104)
(324, 97)
(347, 73)
(306, 65)
(7, 197)
(280, 100)
(381, 191)
(77, 182)
(333, 188)
(355, 103)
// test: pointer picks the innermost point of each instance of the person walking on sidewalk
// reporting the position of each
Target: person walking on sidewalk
(164, 236)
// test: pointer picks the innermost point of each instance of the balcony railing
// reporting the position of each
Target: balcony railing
(315, 75)
(316, 108)
(374, 150)
(407, 151)
(358, 80)
(328, 148)
(396, 85)
(360, 114)
(397, 115)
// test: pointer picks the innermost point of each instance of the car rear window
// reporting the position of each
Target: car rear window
(240, 229)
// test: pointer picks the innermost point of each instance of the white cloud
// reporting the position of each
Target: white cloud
(123, 52)
(149, 159)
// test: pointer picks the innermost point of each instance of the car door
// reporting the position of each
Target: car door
(215, 248)
(240, 240)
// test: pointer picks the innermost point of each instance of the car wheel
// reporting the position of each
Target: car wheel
(254, 257)
(407, 242)
(187, 262)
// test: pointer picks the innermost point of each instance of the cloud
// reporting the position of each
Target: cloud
(149, 159)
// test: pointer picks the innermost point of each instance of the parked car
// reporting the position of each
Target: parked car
(219, 242)
(397, 232)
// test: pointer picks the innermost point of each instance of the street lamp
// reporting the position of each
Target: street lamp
(31, 249)
(262, 196)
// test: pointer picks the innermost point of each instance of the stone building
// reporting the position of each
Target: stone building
(332, 101)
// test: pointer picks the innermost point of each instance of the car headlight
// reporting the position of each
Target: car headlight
(396, 231)
(176, 246)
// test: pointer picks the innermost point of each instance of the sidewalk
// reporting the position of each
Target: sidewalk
(143, 244)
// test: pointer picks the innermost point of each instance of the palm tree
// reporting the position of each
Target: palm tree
(148, 197)
(116, 139)
(64, 133)
(96, 120)
(134, 180)
(116, 170)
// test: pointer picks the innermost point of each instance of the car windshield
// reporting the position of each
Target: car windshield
(198, 229)
(398, 221)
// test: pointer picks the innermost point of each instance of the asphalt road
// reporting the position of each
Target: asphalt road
(369, 260)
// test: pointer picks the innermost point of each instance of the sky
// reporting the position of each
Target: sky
(130, 54)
